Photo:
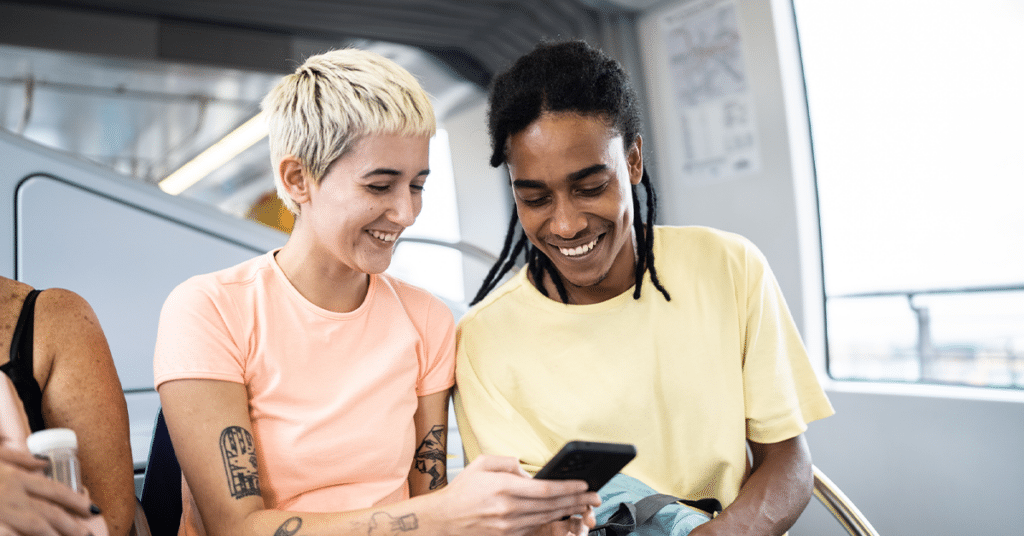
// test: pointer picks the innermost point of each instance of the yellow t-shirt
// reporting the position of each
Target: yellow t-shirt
(331, 395)
(687, 381)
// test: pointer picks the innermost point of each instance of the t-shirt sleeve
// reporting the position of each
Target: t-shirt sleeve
(781, 390)
(194, 337)
(437, 364)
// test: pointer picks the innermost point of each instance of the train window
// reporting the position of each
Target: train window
(916, 117)
(436, 268)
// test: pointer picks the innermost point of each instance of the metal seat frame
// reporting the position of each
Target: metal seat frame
(841, 507)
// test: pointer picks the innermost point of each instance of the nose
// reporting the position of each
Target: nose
(404, 209)
(567, 222)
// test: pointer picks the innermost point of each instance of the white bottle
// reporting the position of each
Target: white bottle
(59, 446)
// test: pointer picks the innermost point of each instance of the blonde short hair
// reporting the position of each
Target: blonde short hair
(332, 101)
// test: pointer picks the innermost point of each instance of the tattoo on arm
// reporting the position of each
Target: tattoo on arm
(289, 527)
(384, 524)
(432, 457)
(239, 453)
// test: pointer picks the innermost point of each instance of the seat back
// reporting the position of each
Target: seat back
(161, 488)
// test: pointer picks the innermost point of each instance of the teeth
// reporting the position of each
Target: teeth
(577, 251)
(382, 236)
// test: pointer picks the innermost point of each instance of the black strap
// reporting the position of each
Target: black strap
(712, 506)
(629, 516)
(20, 367)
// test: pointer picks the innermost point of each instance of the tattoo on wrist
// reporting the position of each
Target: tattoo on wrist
(289, 527)
(238, 450)
(432, 457)
(385, 524)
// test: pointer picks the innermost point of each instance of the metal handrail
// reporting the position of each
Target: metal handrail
(1012, 287)
(841, 507)
(926, 352)
(460, 246)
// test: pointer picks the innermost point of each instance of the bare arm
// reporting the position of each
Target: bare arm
(774, 496)
(430, 466)
(429, 471)
(81, 391)
(210, 427)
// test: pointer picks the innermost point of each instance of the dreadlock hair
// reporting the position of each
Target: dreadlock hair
(573, 77)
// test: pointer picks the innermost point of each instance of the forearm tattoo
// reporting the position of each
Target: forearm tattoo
(432, 457)
(239, 453)
(385, 524)
(289, 527)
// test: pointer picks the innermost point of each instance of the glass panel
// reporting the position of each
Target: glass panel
(916, 114)
(435, 268)
(974, 338)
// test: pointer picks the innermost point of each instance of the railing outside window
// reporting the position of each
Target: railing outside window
(957, 336)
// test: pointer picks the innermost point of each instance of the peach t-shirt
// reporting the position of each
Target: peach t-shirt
(331, 395)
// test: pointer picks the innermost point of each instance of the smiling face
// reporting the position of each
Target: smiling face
(365, 200)
(571, 178)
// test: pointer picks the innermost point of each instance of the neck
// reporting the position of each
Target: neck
(620, 278)
(319, 277)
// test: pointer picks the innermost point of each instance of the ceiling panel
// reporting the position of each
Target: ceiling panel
(491, 31)
(143, 86)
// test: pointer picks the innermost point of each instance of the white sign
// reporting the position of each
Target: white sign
(712, 97)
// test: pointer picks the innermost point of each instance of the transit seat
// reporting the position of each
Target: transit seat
(161, 488)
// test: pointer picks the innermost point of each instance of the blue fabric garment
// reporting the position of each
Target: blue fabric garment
(675, 519)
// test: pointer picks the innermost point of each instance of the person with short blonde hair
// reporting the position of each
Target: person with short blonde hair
(336, 98)
(306, 391)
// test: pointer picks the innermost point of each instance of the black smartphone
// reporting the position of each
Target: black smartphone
(595, 462)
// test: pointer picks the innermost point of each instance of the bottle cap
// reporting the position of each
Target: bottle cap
(54, 438)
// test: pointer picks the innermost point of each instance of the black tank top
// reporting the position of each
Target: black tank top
(19, 368)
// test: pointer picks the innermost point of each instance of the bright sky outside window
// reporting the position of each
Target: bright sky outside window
(917, 117)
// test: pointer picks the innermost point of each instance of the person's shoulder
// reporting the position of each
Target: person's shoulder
(68, 324)
(414, 298)
(12, 294)
(497, 300)
(700, 235)
(240, 274)
(405, 290)
(704, 243)
(65, 304)
(227, 280)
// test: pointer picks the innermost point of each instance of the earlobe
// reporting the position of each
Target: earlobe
(294, 178)
(635, 160)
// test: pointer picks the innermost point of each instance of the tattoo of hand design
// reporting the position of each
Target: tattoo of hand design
(383, 523)
(432, 457)
(239, 453)
(289, 527)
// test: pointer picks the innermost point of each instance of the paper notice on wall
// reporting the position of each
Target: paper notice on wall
(713, 104)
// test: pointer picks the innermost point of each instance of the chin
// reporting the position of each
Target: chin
(375, 266)
(583, 280)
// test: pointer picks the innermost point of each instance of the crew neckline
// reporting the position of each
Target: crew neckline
(371, 290)
(540, 300)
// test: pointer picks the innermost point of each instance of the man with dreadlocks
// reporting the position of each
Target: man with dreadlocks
(676, 339)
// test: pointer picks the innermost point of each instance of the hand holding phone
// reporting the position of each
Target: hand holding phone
(594, 462)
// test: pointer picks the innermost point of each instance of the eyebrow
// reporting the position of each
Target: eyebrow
(575, 176)
(391, 172)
